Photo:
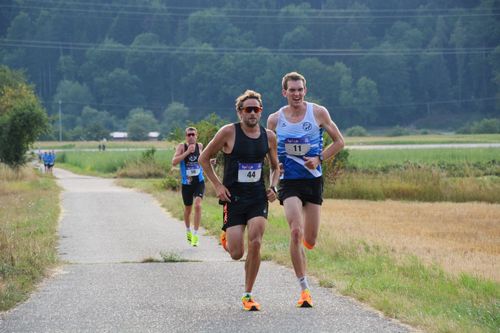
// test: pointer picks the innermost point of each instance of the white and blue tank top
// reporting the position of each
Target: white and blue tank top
(296, 141)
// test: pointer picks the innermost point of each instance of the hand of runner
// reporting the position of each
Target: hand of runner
(191, 148)
(223, 193)
(271, 196)
(312, 162)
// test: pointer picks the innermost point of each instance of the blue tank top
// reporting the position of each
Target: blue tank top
(191, 171)
(296, 140)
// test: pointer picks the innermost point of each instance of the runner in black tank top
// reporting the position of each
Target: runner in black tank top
(191, 172)
(242, 191)
(246, 162)
(193, 185)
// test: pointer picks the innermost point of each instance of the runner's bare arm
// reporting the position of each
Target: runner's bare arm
(179, 154)
(274, 165)
(217, 144)
(272, 121)
(325, 121)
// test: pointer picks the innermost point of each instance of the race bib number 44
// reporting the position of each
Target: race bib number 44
(249, 172)
(297, 146)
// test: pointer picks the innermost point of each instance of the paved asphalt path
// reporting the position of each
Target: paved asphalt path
(107, 231)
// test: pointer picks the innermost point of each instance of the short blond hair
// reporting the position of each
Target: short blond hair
(248, 94)
(190, 129)
(292, 76)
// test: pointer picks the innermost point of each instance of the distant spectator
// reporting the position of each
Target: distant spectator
(51, 159)
(46, 160)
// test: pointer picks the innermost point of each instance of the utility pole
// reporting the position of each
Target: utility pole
(60, 124)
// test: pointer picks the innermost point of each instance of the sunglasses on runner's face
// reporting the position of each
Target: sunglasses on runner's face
(191, 134)
(249, 109)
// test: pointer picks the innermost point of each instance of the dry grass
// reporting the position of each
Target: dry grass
(9, 174)
(29, 208)
(461, 237)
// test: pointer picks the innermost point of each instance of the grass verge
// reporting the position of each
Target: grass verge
(415, 184)
(29, 211)
(401, 287)
(424, 139)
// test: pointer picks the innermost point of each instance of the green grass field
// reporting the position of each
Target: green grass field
(457, 174)
(109, 162)
(424, 139)
(47, 145)
(380, 160)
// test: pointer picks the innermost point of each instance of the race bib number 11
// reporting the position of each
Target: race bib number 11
(249, 172)
(297, 146)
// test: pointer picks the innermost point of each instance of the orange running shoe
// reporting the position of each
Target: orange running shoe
(223, 240)
(305, 300)
(249, 304)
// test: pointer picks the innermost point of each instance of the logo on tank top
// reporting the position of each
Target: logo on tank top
(192, 158)
(283, 124)
(306, 126)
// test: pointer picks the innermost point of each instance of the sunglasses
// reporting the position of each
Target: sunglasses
(190, 134)
(249, 109)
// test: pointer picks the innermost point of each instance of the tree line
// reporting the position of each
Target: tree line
(117, 65)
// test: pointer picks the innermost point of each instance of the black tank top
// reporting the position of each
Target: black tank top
(190, 159)
(244, 166)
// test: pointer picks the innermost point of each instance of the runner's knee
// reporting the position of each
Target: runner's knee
(254, 244)
(236, 254)
(296, 234)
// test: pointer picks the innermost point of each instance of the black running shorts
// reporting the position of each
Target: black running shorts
(191, 191)
(307, 190)
(239, 212)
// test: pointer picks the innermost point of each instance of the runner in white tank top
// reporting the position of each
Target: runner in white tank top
(299, 127)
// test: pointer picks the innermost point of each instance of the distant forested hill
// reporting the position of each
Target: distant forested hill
(428, 63)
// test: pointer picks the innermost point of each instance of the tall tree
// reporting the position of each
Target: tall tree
(366, 99)
(73, 96)
(175, 116)
(139, 123)
(101, 59)
(391, 73)
(22, 118)
(148, 59)
(119, 91)
(94, 124)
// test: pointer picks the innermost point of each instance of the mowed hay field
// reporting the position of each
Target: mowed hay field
(460, 237)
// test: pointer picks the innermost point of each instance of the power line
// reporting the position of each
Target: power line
(165, 49)
(217, 15)
(278, 11)
(335, 107)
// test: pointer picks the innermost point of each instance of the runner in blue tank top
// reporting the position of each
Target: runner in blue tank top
(299, 128)
(193, 183)
(243, 192)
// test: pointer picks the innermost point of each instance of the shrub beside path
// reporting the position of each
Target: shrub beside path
(113, 278)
